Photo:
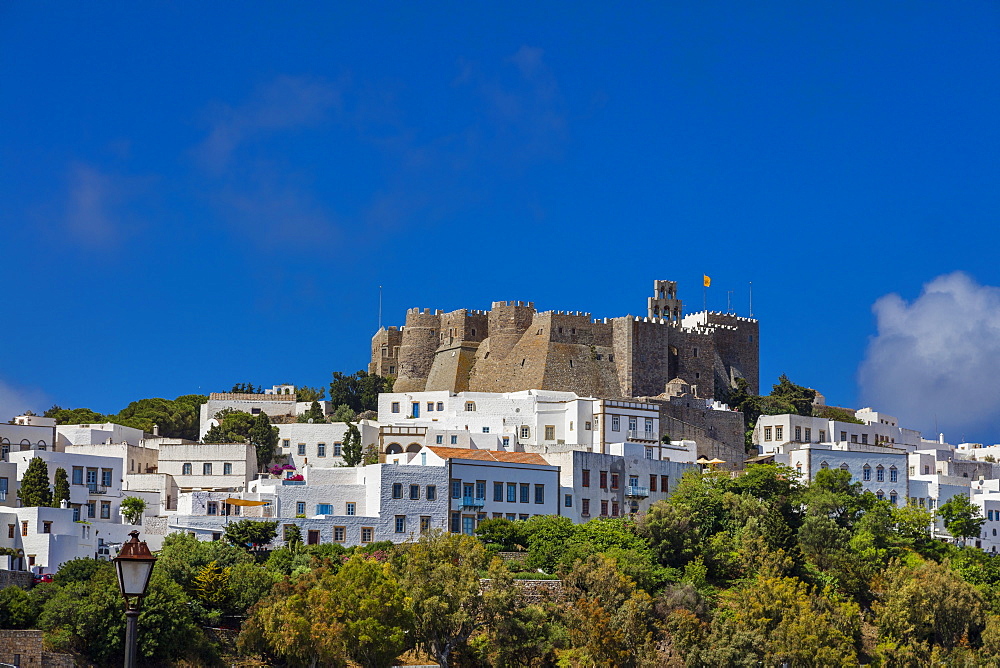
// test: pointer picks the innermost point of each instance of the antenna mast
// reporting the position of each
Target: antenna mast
(380, 307)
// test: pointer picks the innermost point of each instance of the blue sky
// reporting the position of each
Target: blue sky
(192, 197)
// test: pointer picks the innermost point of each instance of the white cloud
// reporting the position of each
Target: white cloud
(936, 360)
(91, 196)
(100, 206)
(286, 102)
(15, 400)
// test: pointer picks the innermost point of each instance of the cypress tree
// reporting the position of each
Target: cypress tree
(264, 438)
(35, 490)
(62, 488)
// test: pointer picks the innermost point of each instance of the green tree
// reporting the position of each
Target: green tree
(358, 391)
(962, 518)
(34, 489)
(77, 570)
(773, 620)
(90, 614)
(61, 488)
(351, 448)
(610, 621)
(247, 583)
(246, 388)
(293, 534)
(132, 509)
(927, 604)
(374, 611)
(441, 576)
(264, 438)
(234, 427)
(17, 610)
(343, 413)
(74, 415)
(315, 413)
(801, 398)
(176, 418)
(306, 393)
(250, 534)
(211, 585)
(183, 556)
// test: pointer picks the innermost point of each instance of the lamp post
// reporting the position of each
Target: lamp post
(134, 564)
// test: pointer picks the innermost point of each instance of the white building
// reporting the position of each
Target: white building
(27, 432)
(274, 405)
(46, 537)
(776, 434)
(490, 484)
(209, 466)
(95, 482)
(135, 458)
(609, 485)
(346, 505)
(521, 421)
(320, 444)
(89, 434)
(881, 470)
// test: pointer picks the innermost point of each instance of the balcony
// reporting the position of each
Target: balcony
(470, 502)
(94, 488)
(635, 435)
(636, 491)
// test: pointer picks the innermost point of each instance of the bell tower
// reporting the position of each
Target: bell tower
(664, 303)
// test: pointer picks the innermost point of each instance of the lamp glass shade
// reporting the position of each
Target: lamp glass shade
(133, 575)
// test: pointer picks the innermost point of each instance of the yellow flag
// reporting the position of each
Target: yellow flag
(708, 281)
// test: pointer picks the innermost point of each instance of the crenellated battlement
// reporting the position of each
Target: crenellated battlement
(524, 304)
(512, 347)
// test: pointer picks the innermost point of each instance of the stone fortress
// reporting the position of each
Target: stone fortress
(514, 347)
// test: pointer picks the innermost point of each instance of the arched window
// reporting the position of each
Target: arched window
(892, 497)
(798, 469)
(845, 467)
(880, 494)
(866, 473)
(893, 474)
(879, 473)
(824, 465)
(393, 449)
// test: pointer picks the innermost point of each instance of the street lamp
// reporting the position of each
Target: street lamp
(134, 564)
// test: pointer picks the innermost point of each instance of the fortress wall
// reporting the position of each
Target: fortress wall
(522, 368)
(508, 321)
(696, 360)
(463, 325)
(452, 367)
(737, 342)
(416, 350)
(385, 351)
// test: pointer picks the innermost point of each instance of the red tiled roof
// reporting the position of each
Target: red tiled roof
(488, 455)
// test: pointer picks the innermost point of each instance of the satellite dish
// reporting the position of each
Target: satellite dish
(310, 420)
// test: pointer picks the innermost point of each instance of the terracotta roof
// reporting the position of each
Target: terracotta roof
(488, 455)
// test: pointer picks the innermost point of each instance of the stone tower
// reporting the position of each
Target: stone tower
(416, 351)
(508, 323)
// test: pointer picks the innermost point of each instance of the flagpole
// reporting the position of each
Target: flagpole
(751, 299)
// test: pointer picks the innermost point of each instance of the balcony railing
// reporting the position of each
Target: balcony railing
(635, 435)
(470, 502)
(635, 490)
(94, 488)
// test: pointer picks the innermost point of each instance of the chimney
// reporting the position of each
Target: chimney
(941, 439)
(156, 430)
